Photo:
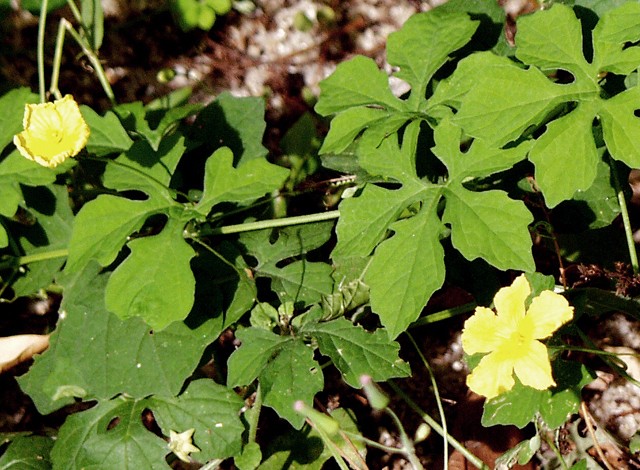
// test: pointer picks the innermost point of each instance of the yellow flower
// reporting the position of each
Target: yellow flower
(511, 337)
(181, 445)
(52, 132)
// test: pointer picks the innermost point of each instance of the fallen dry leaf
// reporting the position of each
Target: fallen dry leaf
(20, 348)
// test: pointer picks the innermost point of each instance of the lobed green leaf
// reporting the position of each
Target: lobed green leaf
(157, 265)
(356, 352)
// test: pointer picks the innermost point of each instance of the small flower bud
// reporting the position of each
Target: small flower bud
(320, 420)
(377, 398)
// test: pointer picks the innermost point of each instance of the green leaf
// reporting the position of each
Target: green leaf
(103, 226)
(157, 265)
(12, 106)
(296, 450)
(250, 458)
(52, 231)
(95, 355)
(237, 123)
(27, 453)
(283, 365)
(597, 302)
(290, 376)
(347, 125)
(535, 48)
(572, 131)
(14, 171)
(224, 290)
(34, 6)
(615, 30)
(519, 405)
(503, 100)
(596, 207)
(364, 220)
(211, 409)
(143, 169)
(356, 82)
(487, 225)
(356, 352)
(112, 432)
(480, 159)
(521, 454)
(406, 270)
(621, 127)
(277, 254)
(500, 101)
(92, 22)
(565, 399)
(490, 226)
(250, 181)
(424, 43)
(107, 134)
(249, 360)
(153, 124)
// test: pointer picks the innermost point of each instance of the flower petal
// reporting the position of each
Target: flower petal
(509, 301)
(52, 132)
(480, 332)
(548, 312)
(533, 367)
(492, 376)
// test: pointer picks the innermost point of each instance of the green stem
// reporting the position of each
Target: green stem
(22, 260)
(42, 21)
(57, 59)
(475, 461)
(19, 261)
(407, 444)
(271, 223)
(93, 58)
(436, 393)
(254, 416)
(372, 443)
(74, 10)
(444, 314)
(631, 245)
(556, 451)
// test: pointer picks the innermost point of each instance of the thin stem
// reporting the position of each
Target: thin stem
(42, 21)
(436, 393)
(587, 419)
(74, 10)
(407, 444)
(43, 256)
(444, 314)
(475, 461)
(272, 223)
(631, 245)
(372, 443)
(337, 453)
(22, 260)
(217, 255)
(57, 59)
(254, 416)
(93, 58)
(552, 445)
